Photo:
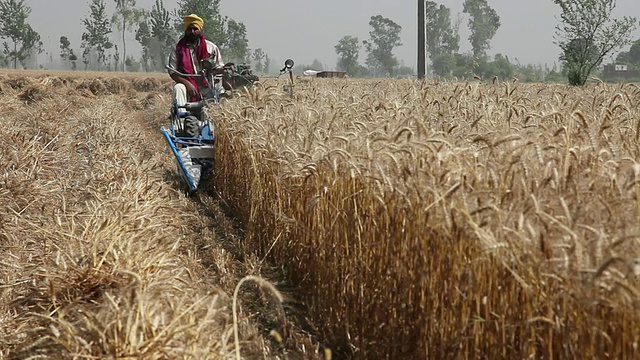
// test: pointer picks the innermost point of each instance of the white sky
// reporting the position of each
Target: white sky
(305, 30)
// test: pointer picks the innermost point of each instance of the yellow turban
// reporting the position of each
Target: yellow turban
(193, 19)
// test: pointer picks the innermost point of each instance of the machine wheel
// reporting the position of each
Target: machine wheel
(191, 126)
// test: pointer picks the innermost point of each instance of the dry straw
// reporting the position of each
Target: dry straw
(99, 256)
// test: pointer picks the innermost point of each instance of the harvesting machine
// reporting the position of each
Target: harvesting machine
(191, 131)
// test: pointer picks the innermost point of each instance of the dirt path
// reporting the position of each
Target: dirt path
(219, 242)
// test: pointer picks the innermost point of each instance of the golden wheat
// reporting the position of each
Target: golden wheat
(439, 220)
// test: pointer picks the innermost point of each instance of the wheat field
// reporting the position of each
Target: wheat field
(101, 255)
(447, 220)
(411, 219)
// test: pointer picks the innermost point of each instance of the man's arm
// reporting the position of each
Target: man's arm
(191, 89)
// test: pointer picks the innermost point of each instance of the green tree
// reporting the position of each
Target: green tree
(443, 40)
(464, 65)
(501, 67)
(31, 44)
(96, 37)
(588, 33)
(14, 27)
(316, 65)
(236, 48)
(483, 23)
(209, 11)
(384, 36)
(443, 64)
(579, 50)
(157, 36)
(631, 57)
(529, 73)
(348, 50)
(364, 71)
(66, 52)
(144, 37)
(441, 35)
(634, 53)
(116, 58)
(623, 58)
(267, 64)
(125, 16)
(405, 71)
(258, 56)
(132, 64)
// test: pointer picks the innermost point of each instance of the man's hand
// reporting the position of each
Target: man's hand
(191, 89)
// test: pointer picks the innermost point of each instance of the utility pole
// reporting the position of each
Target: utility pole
(421, 41)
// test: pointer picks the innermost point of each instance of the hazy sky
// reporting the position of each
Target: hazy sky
(305, 30)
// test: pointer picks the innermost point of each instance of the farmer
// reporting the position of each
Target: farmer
(191, 49)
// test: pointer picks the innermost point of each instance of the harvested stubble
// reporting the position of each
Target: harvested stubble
(446, 220)
(96, 245)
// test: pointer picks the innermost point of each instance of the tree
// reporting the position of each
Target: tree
(14, 27)
(464, 65)
(588, 33)
(96, 37)
(209, 11)
(442, 40)
(30, 43)
(384, 36)
(441, 35)
(157, 37)
(66, 52)
(126, 14)
(576, 51)
(316, 65)
(116, 57)
(404, 71)
(258, 56)
(237, 45)
(267, 64)
(483, 23)
(631, 57)
(443, 64)
(500, 67)
(348, 50)
(634, 53)
(132, 64)
(144, 37)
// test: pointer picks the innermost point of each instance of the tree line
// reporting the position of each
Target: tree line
(442, 45)
(586, 35)
(156, 30)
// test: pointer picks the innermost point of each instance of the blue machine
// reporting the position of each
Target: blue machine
(194, 154)
(191, 136)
